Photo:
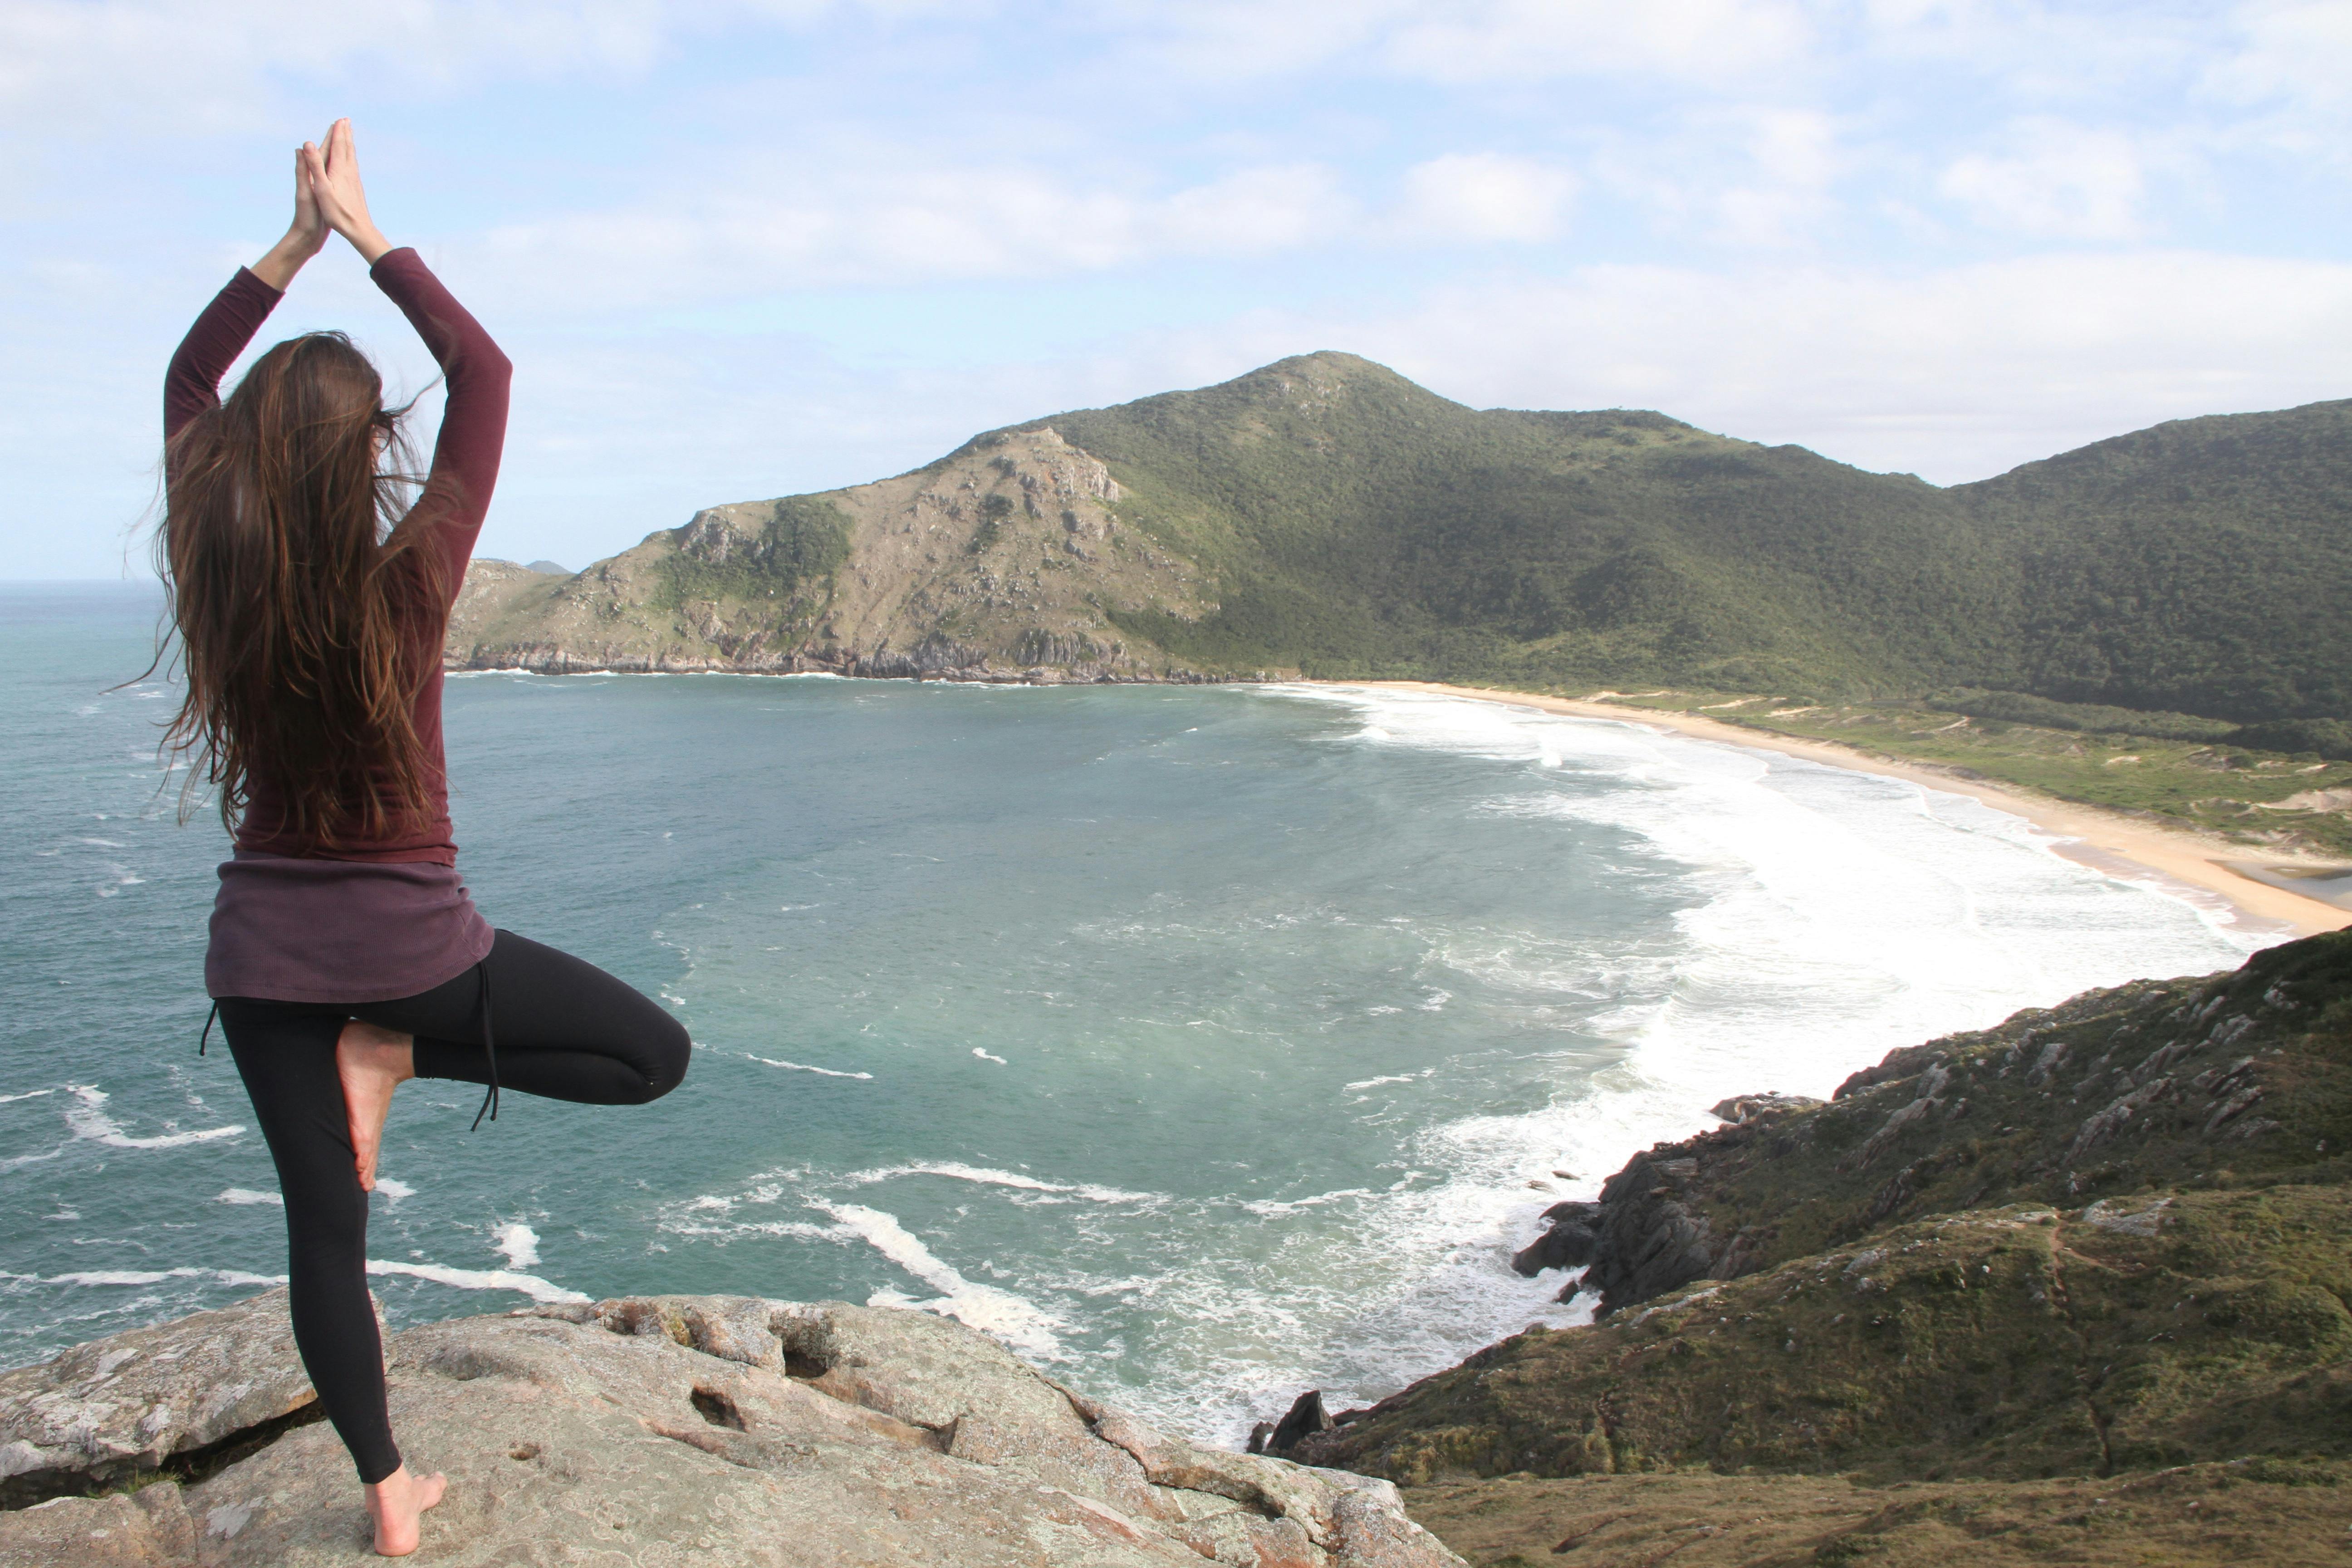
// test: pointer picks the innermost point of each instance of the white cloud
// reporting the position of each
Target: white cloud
(2030, 46)
(1476, 197)
(2055, 180)
(212, 64)
(2288, 79)
(1795, 157)
(776, 229)
(2297, 49)
(1248, 214)
(1244, 40)
(1956, 375)
(1795, 147)
(769, 229)
(1489, 40)
(1465, 41)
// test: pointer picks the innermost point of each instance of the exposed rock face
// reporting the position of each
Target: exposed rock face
(1305, 1417)
(1747, 1107)
(733, 1430)
(1641, 1238)
(2151, 1081)
(107, 1412)
(1570, 1242)
(1004, 560)
(2114, 1235)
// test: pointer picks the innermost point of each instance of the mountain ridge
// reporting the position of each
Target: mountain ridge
(1325, 515)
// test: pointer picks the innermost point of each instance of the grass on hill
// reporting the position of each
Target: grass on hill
(2278, 1514)
(2268, 800)
(1356, 525)
(2109, 1241)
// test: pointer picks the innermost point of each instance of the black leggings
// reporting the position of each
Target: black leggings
(563, 1028)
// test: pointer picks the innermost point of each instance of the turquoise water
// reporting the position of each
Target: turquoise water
(1203, 1043)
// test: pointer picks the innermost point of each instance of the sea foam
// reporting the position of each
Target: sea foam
(1837, 916)
(1023, 1324)
(88, 1120)
(821, 1072)
(519, 1242)
(530, 1285)
(983, 1176)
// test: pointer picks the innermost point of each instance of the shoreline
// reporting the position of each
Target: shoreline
(2104, 841)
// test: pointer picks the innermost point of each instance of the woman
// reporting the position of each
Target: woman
(346, 956)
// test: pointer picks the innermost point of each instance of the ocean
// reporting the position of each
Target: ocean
(1203, 1043)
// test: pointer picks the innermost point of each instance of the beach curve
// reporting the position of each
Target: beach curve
(2094, 836)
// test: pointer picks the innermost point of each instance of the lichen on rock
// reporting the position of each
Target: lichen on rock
(736, 1430)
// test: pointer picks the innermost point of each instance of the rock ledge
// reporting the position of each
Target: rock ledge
(652, 1431)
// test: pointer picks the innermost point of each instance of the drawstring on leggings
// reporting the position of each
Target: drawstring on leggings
(490, 1045)
(490, 1050)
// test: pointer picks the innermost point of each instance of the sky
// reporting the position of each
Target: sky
(740, 249)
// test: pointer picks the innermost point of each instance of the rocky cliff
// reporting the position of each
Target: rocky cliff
(2111, 1240)
(1002, 561)
(2111, 1234)
(675, 1429)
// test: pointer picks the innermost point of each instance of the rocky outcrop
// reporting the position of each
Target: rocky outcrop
(2110, 1235)
(1305, 1418)
(173, 1396)
(1574, 1235)
(1007, 561)
(719, 1429)
(2154, 1082)
(1640, 1239)
(1747, 1107)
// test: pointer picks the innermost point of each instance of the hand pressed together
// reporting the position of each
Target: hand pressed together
(335, 185)
(328, 195)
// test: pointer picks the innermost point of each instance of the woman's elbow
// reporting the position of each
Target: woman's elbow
(669, 1052)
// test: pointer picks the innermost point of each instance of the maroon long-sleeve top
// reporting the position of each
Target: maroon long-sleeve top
(449, 510)
(383, 916)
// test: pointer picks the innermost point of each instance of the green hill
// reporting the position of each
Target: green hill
(2201, 565)
(1358, 524)
(1326, 515)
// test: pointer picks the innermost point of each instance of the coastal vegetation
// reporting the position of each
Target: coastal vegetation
(2109, 1241)
(1359, 525)
(2175, 769)
(802, 541)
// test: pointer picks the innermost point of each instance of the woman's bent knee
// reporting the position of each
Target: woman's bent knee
(670, 1050)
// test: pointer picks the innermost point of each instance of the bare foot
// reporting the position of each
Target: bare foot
(394, 1503)
(372, 1062)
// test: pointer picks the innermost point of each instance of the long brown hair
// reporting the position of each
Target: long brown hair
(290, 575)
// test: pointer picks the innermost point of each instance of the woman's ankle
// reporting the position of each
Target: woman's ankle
(397, 1504)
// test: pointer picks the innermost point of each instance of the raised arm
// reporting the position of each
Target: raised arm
(192, 384)
(474, 421)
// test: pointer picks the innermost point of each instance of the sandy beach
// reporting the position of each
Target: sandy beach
(2107, 841)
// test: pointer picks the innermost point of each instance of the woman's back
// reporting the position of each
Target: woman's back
(302, 796)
